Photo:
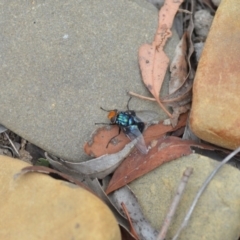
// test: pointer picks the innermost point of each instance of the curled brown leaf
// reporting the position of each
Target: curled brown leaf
(152, 59)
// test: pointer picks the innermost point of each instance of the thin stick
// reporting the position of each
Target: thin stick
(152, 99)
(148, 98)
(205, 184)
(141, 97)
(12, 144)
(184, 11)
(164, 109)
(187, 173)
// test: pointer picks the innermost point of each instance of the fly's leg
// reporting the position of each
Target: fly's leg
(105, 123)
(131, 112)
(119, 131)
(105, 109)
(128, 103)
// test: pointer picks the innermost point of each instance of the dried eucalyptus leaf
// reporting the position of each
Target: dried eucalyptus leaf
(56, 163)
(102, 166)
(181, 81)
(141, 225)
(179, 66)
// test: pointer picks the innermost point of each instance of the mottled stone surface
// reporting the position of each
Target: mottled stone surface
(216, 103)
(60, 61)
(218, 210)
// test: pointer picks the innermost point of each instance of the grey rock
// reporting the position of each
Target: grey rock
(202, 22)
(61, 61)
(216, 215)
(157, 3)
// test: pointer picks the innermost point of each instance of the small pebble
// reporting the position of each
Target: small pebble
(216, 2)
(198, 47)
(202, 21)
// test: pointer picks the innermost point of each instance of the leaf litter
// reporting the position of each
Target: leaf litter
(153, 61)
(179, 68)
(182, 73)
(98, 167)
(153, 64)
(153, 69)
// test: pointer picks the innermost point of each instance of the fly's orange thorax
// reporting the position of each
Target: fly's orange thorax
(112, 115)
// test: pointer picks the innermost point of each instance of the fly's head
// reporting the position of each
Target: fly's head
(112, 115)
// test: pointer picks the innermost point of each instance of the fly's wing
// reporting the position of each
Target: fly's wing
(133, 132)
(148, 117)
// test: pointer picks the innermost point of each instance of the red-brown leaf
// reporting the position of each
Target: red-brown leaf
(136, 165)
(97, 146)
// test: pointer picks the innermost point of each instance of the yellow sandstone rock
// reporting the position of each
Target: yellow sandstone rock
(36, 206)
(215, 115)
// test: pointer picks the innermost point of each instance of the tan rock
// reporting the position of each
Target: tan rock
(217, 213)
(36, 206)
(216, 103)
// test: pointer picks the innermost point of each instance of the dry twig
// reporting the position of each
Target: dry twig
(12, 144)
(187, 173)
(141, 96)
(205, 184)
